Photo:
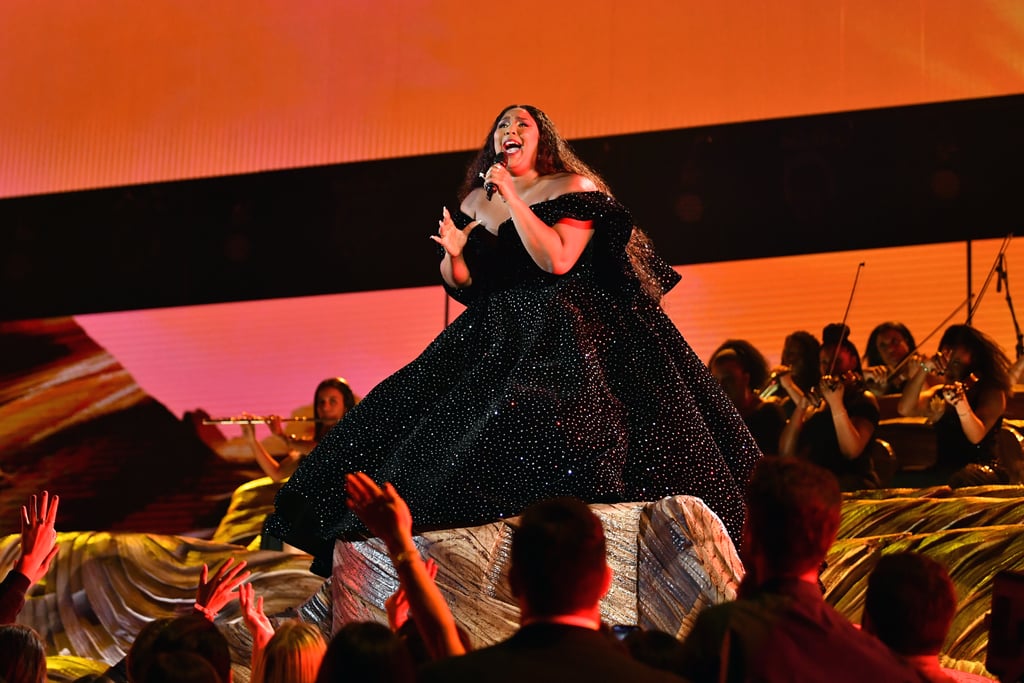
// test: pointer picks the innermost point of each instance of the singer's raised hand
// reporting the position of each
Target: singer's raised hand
(449, 236)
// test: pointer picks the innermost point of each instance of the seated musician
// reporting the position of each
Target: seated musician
(836, 431)
(967, 409)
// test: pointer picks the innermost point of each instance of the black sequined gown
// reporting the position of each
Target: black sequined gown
(546, 385)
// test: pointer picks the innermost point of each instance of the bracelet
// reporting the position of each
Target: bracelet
(207, 612)
(405, 556)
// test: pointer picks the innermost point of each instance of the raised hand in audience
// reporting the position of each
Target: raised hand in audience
(397, 604)
(38, 548)
(387, 516)
(255, 619)
(216, 591)
(38, 536)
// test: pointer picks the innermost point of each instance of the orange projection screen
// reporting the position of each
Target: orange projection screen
(122, 92)
(99, 94)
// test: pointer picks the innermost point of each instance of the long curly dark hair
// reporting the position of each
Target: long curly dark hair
(555, 155)
(988, 360)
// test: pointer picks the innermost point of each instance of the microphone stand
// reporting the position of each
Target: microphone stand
(1005, 278)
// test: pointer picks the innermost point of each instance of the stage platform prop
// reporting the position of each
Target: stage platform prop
(670, 559)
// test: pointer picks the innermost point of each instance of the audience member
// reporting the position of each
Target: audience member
(741, 370)
(212, 594)
(837, 432)
(38, 548)
(187, 648)
(909, 605)
(367, 652)
(387, 516)
(885, 358)
(558, 573)
(292, 655)
(977, 386)
(22, 655)
(780, 628)
(655, 648)
(255, 620)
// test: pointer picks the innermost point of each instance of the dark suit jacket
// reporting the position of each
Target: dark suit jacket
(547, 652)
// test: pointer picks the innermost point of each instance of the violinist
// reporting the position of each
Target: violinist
(966, 409)
(800, 351)
(886, 361)
(836, 431)
(740, 369)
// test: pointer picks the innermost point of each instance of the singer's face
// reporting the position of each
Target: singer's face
(517, 136)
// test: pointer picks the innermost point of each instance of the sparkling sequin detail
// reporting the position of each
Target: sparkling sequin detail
(546, 385)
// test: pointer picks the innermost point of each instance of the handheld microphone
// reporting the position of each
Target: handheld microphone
(499, 158)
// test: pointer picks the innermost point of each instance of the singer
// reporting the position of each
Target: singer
(563, 376)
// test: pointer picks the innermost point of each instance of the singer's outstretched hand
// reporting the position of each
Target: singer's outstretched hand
(449, 236)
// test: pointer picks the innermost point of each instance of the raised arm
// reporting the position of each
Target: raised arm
(453, 266)
(38, 548)
(387, 516)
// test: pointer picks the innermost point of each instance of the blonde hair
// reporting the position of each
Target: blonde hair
(293, 655)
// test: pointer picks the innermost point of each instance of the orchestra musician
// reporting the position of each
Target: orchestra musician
(836, 431)
(966, 409)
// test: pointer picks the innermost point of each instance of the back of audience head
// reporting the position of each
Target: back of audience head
(22, 655)
(888, 344)
(558, 563)
(292, 655)
(793, 511)
(910, 603)
(367, 652)
(180, 640)
(750, 361)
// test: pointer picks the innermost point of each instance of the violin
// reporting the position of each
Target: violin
(954, 392)
(774, 382)
(898, 375)
(849, 380)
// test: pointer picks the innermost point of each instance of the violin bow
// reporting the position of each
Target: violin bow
(846, 314)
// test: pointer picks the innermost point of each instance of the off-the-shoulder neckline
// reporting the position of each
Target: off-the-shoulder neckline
(546, 201)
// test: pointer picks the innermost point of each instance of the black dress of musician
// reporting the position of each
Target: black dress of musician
(563, 376)
(967, 409)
